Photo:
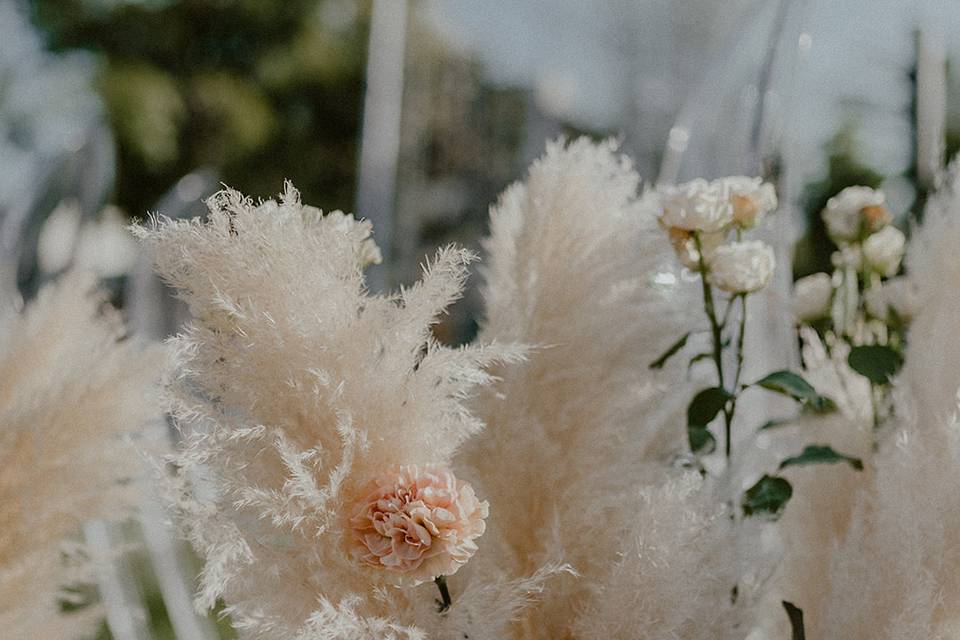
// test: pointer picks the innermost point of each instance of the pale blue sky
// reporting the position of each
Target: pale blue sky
(586, 59)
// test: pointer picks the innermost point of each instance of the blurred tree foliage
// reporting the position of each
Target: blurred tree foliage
(259, 90)
(812, 252)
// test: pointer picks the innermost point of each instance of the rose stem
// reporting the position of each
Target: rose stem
(716, 330)
(739, 370)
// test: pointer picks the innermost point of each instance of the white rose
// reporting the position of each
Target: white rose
(742, 267)
(751, 199)
(811, 297)
(853, 212)
(697, 205)
(686, 247)
(883, 251)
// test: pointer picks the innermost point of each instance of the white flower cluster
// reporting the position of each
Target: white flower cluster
(869, 245)
(698, 215)
(857, 215)
(854, 213)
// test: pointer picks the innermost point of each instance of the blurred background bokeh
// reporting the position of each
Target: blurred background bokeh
(416, 114)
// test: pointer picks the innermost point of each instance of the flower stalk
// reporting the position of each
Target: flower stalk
(738, 350)
(716, 332)
(698, 218)
(444, 603)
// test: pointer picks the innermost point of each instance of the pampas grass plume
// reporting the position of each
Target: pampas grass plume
(294, 387)
(71, 387)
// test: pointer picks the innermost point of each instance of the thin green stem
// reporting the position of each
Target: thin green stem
(710, 309)
(740, 335)
(726, 313)
(739, 353)
(716, 331)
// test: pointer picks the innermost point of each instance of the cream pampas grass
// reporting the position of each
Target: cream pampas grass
(824, 497)
(578, 435)
(336, 456)
(891, 571)
(671, 578)
(71, 387)
(299, 393)
(932, 370)
(893, 576)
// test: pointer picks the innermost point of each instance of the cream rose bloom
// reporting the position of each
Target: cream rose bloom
(811, 297)
(417, 523)
(854, 212)
(883, 251)
(711, 206)
(751, 198)
(686, 247)
(697, 205)
(741, 267)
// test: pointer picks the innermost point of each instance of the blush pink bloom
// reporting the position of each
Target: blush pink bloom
(417, 523)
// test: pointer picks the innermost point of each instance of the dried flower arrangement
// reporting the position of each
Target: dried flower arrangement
(344, 475)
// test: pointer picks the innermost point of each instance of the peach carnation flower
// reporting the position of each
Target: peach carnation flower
(417, 523)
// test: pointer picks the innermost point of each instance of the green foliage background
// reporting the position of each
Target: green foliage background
(259, 90)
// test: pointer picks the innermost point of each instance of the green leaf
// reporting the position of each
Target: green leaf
(697, 358)
(669, 353)
(773, 424)
(767, 497)
(826, 405)
(878, 363)
(706, 405)
(821, 454)
(701, 440)
(795, 614)
(791, 384)
(788, 383)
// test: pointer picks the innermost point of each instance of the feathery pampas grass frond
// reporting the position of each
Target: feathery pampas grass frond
(579, 433)
(70, 388)
(893, 576)
(891, 569)
(820, 510)
(295, 387)
(932, 371)
(672, 577)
